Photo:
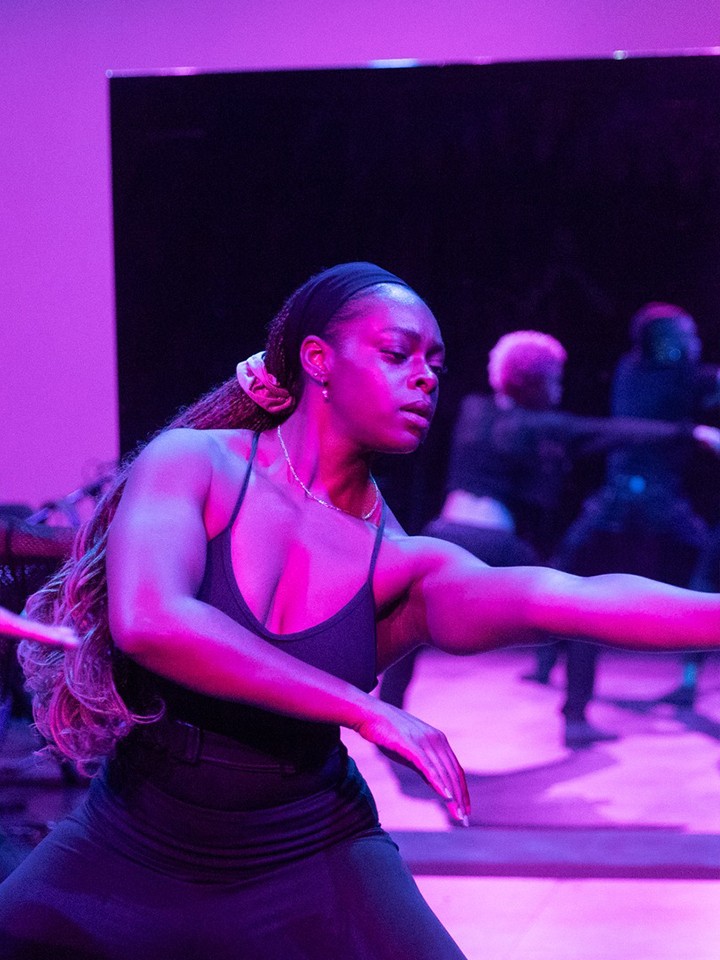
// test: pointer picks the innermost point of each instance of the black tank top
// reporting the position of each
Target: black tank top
(343, 645)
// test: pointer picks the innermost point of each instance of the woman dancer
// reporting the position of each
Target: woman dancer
(237, 591)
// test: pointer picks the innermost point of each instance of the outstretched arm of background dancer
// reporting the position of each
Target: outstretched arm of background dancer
(708, 437)
(12, 625)
(155, 562)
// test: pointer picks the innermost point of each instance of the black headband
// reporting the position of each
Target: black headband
(317, 301)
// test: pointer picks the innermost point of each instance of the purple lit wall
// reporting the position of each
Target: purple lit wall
(57, 390)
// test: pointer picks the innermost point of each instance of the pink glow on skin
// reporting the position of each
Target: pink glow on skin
(58, 401)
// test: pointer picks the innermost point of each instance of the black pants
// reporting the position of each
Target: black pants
(626, 527)
(139, 874)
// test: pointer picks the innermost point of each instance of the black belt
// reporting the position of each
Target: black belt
(188, 743)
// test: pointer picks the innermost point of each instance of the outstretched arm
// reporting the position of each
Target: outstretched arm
(11, 625)
(460, 605)
(155, 563)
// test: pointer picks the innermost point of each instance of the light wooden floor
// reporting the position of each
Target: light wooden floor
(660, 783)
(626, 827)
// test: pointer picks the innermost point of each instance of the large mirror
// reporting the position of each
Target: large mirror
(557, 195)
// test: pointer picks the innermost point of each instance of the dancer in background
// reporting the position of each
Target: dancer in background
(641, 520)
(706, 577)
(511, 457)
(29, 556)
(236, 591)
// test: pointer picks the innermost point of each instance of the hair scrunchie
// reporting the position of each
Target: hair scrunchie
(262, 387)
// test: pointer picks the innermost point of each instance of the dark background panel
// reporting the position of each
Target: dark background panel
(559, 196)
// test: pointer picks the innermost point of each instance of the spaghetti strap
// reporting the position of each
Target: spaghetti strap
(246, 480)
(378, 541)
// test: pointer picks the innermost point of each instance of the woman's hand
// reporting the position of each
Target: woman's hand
(708, 437)
(11, 625)
(416, 744)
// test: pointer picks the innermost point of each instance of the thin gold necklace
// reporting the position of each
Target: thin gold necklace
(325, 503)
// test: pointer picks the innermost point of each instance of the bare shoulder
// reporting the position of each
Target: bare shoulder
(434, 556)
(406, 579)
(186, 469)
(180, 442)
(184, 455)
(406, 561)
